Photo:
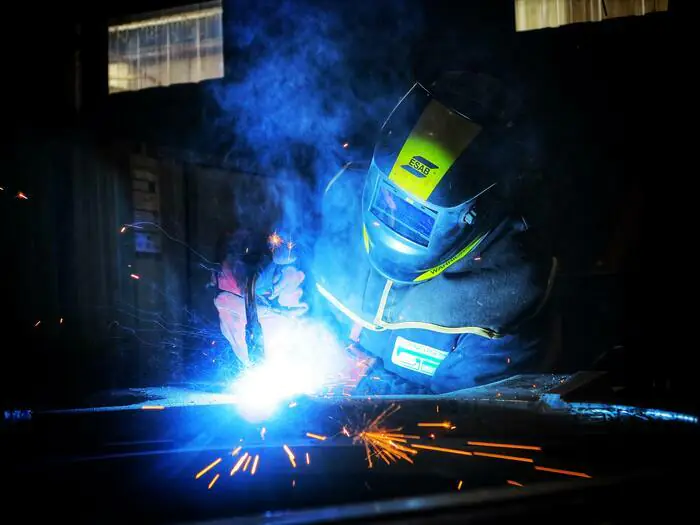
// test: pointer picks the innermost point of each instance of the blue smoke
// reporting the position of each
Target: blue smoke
(305, 77)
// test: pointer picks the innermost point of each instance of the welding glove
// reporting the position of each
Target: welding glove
(278, 305)
(286, 288)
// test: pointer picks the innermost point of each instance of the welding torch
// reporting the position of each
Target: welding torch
(256, 263)
(253, 330)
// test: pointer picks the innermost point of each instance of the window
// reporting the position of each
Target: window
(174, 46)
(537, 14)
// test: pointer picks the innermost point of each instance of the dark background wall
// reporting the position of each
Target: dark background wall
(605, 97)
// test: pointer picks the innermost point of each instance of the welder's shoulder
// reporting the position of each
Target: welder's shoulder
(518, 251)
(525, 244)
(510, 278)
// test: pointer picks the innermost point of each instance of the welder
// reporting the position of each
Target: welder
(425, 252)
(259, 287)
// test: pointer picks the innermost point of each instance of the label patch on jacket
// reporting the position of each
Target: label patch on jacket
(417, 357)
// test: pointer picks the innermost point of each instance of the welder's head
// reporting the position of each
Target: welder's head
(435, 188)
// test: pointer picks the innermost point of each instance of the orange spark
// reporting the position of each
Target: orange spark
(211, 483)
(123, 229)
(308, 459)
(254, 468)
(207, 468)
(459, 485)
(441, 449)
(444, 424)
(385, 444)
(236, 451)
(401, 438)
(290, 455)
(22, 196)
(274, 239)
(238, 464)
(565, 472)
(502, 445)
(37, 324)
(514, 483)
(135, 276)
(501, 456)
(152, 407)
(316, 436)
(247, 462)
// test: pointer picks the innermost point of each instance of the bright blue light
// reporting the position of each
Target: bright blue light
(670, 416)
(623, 410)
(301, 356)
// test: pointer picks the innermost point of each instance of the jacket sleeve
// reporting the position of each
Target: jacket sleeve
(477, 361)
(498, 289)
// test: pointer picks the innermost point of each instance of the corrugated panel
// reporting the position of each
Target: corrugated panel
(155, 263)
(539, 14)
(64, 271)
(166, 47)
(97, 267)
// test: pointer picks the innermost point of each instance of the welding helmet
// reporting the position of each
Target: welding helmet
(431, 195)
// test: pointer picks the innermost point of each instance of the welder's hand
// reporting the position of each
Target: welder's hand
(286, 289)
(232, 319)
